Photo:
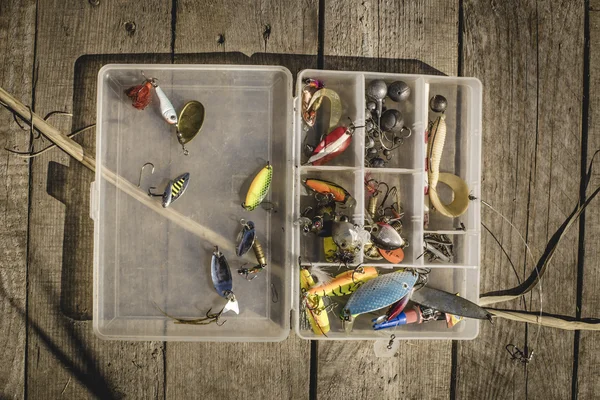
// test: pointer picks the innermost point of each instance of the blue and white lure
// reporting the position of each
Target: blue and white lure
(376, 294)
(223, 282)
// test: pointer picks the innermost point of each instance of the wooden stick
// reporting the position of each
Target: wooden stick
(75, 150)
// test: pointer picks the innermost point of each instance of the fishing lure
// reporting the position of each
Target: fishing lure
(392, 256)
(378, 293)
(395, 309)
(345, 283)
(309, 114)
(141, 97)
(435, 146)
(314, 306)
(190, 121)
(371, 252)
(261, 259)
(338, 193)
(345, 235)
(332, 145)
(222, 281)
(259, 188)
(336, 106)
(330, 249)
(174, 190)
(385, 237)
(449, 303)
(411, 315)
(245, 238)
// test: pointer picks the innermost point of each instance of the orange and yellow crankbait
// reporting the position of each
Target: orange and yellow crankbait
(316, 314)
(259, 188)
(338, 193)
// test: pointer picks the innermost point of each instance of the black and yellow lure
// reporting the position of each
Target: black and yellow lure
(174, 190)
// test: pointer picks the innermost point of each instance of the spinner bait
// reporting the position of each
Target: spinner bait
(222, 281)
(338, 193)
(376, 294)
(449, 303)
(261, 259)
(385, 237)
(141, 97)
(174, 190)
(259, 188)
(345, 283)
(314, 306)
(245, 238)
(332, 145)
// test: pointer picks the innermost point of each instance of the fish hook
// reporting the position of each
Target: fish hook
(142, 172)
(196, 321)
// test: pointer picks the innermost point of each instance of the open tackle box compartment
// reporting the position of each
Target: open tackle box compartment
(144, 258)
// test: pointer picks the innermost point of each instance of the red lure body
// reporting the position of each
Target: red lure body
(398, 307)
(141, 95)
(331, 146)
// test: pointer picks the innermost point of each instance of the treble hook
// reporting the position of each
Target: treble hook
(215, 317)
(142, 172)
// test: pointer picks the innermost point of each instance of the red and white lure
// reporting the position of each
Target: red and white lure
(332, 145)
(141, 96)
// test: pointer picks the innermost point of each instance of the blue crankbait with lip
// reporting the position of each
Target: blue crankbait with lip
(245, 238)
(378, 293)
(222, 281)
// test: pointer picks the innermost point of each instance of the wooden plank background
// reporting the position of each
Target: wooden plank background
(538, 133)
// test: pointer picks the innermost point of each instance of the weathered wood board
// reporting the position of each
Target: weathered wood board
(64, 357)
(529, 57)
(17, 36)
(589, 345)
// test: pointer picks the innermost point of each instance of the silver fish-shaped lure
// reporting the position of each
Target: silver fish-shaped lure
(222, 281)
(449, 303)
(385, 237)
(378, 293)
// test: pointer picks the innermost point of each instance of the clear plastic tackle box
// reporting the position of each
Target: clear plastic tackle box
(144, 258)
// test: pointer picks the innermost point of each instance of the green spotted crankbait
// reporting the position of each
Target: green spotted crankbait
(174, 190)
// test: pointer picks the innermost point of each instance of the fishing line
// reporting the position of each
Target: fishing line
(539, 283)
